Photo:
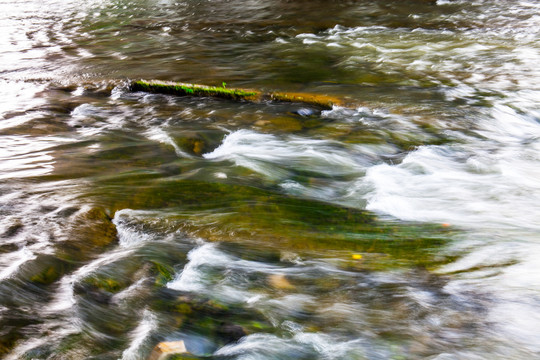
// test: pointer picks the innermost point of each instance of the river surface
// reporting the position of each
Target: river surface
(404, 225)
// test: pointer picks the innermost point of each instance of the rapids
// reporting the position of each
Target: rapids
(404, 227)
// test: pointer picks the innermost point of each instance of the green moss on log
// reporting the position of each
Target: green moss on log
(186, 89)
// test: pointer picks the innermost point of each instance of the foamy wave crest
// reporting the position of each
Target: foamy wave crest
(275, 157)
(195, 276)
(301, 345)
(128, 235)
(480, 184)
(15, 260)
(192, 276)
(140, 335)
(160, 135)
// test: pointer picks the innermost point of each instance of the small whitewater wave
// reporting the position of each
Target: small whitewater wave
(129, 239)
(195, 276)
(479, 183)
(299, 344)
(160, 135)
(276, 158)
(192, 278)
(140, 336)
(478, 54)
(128, 235)
(15, 260)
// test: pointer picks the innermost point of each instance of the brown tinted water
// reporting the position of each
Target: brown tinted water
(402, 227)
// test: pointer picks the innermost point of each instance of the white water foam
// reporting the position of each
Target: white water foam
(130, 292)
(303, 344)
(486, 55)
(275, 157)
(140, 335)
(327, 346)
(15, 260)
(53, 332)
(10, 263)
(160, 135)
(128, 237)
(65, 297)
(230, 286)
(192, 277)
(260, 346)
(490, 182)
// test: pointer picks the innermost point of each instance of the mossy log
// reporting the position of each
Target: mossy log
(186, 89)
(323, 101)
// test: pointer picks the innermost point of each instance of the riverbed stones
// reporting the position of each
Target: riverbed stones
(230, 333)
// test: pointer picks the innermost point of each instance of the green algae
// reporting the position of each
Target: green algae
(165, 273)
(50, 273)
(225, 212)
(108, 284)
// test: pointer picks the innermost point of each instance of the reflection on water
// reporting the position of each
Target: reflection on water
(403, 227)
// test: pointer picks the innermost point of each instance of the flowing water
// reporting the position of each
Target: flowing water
(401, 226)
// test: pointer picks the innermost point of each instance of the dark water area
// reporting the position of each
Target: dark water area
(403, 225)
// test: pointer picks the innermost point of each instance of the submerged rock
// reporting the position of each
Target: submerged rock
(13, 229)
(164, 350)
(97, 227)
(279, 281)
(165, 273)
(89, 231)
(230, 332)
